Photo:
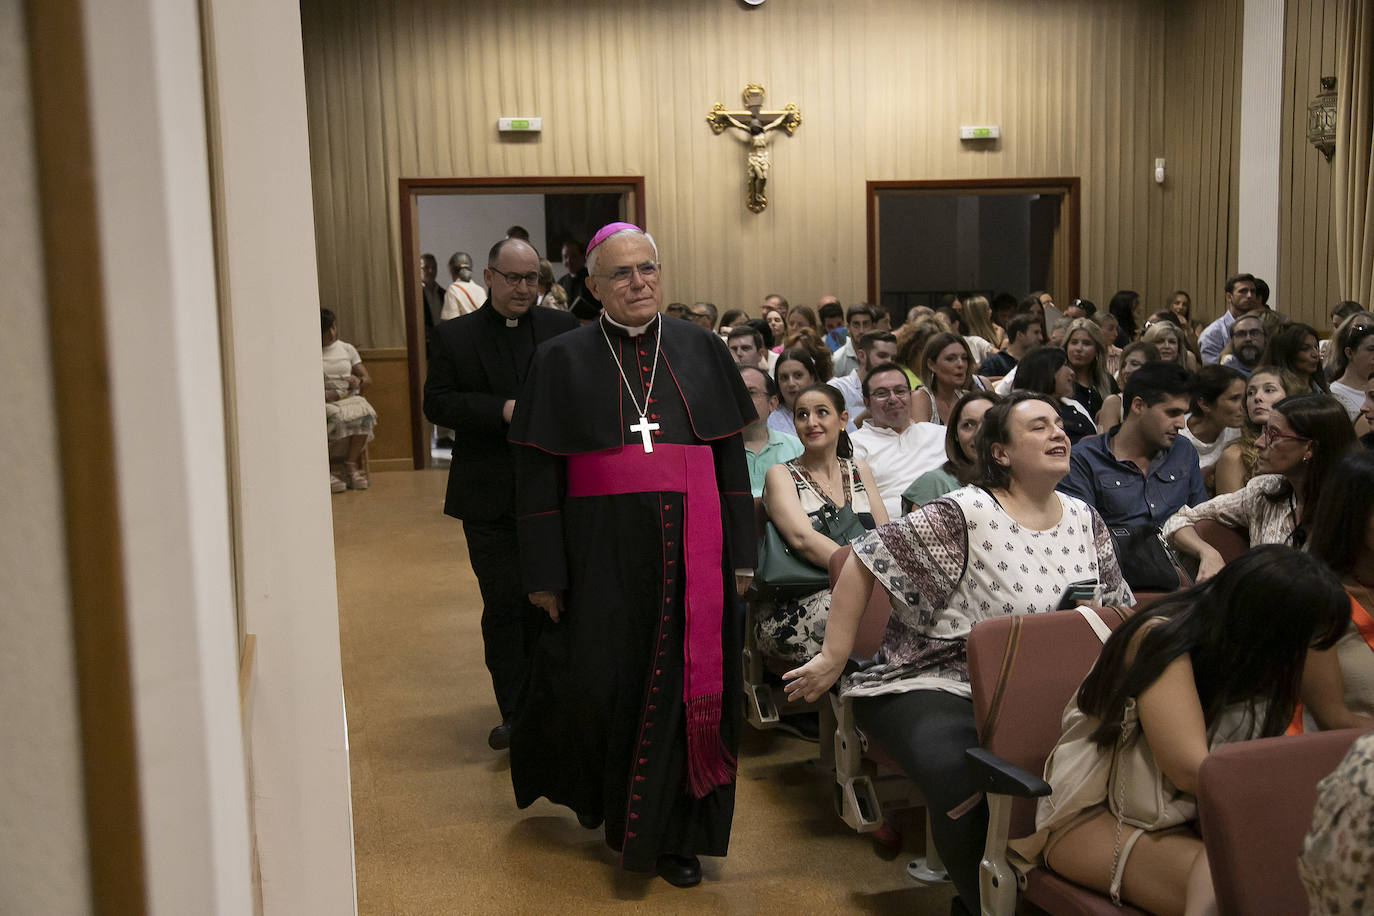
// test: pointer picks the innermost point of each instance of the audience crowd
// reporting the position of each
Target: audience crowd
(1002, 456)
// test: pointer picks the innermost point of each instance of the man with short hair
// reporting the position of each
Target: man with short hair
(463, 297)
(574, 282)
(1141, 471)
(1024, 333)
(858, 322)
(480, 359)
(775, 301)
(896, 448)
(704, 314)
(746, 346)
(635, 518)
(1240, 298)
(764, 447)
(832, 317)
(874, 348)
(1248, 342)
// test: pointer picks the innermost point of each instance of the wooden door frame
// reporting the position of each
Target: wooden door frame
(410, 189)
(1070, 187)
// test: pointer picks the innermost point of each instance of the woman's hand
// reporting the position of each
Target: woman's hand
(1209, 564)
(813, 679)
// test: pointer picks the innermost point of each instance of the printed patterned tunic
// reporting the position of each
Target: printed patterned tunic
(961, 559)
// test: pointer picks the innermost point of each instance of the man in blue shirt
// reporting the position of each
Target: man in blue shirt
(1240, 298)
(764, 447)
(1141, 471)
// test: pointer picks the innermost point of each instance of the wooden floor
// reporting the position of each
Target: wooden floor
(436, 829)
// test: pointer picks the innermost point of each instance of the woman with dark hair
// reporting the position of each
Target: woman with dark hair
(961, 447)
(1294, 349)
(1046, 371)
(1134, 355)
(823, 476)
(349, 418)
(1220, 662)
(1011, 536)
(1236, 466)
(777, 324)
(794, 372)
(1303, 438)
(802, 316)
(1215, 414)
(731, 318)
(1352, 361)
(947, 373)
(1343, 538)
(1125, 306)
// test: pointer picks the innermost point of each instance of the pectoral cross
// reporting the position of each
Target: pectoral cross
(644, 428)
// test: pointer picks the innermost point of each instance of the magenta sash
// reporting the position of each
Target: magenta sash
(689, 470)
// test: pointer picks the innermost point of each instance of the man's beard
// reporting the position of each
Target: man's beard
(1250, 354)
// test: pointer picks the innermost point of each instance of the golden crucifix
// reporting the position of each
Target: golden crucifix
(755, 123)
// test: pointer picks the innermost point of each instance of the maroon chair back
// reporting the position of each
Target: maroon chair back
(1229, 542)
(873, 624)
(1023, 669)
(1255, 801)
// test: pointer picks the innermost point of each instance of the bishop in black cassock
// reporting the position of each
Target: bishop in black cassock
(635, 517)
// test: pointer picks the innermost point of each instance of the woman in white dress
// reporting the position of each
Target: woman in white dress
(347, 414)
(1352, 362)
(1012, 545)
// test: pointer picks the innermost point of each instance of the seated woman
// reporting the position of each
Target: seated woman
(347, 413)
(1215, 414)
(1171, 341)
(777, 324)
(1294, 350)
(978, 553)
(1088, 358)
(1352, 362)
(801, 317)
(1217, 663)
(794, 373)
(1133, 356)
(1303, 438)
(823, 475)
(1046, 371)
(947, 375)
(961, 447)
(1343, 538)
(1236, 466)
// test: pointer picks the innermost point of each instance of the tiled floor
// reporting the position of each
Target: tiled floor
(435, 824)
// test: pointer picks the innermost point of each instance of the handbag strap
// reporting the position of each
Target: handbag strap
(1101, 629)
(1003, 678)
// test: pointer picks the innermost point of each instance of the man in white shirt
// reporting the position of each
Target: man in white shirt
(896, 449)
(873, 349)
(463, 296)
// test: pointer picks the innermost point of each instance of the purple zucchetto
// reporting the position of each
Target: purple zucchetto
(608, 230)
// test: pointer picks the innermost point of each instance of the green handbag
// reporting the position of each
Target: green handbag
(783, 573)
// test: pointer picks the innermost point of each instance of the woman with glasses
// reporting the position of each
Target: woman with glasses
(1352, 361)
(1303, 438)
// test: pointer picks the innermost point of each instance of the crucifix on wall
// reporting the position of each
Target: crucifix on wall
(755, 125)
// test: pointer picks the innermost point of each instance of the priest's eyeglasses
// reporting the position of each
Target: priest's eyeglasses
(530, 279)
(621, 276)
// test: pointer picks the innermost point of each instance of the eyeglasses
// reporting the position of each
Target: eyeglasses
(648, 272)
(1255, 333)
(530, 279)
(1269, 434)
(882, 394)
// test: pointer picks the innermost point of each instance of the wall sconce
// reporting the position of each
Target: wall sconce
(1321, 118)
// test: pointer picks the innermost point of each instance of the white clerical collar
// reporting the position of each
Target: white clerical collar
(632, 332)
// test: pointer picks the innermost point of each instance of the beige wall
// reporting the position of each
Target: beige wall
(1097, 90)
(1307, 250)
(42, 830)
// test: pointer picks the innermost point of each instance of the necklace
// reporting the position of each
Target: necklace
(643, 427)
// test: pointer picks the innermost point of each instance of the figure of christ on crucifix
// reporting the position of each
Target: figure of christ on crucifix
(755, 124)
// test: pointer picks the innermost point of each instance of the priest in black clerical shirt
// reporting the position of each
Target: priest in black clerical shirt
(636, 532)
(480, 360)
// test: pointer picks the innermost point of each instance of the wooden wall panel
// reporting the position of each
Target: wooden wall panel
(412, 88)
(1307, 243)
(388, 395)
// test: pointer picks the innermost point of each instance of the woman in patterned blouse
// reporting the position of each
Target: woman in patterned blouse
(1011, 545)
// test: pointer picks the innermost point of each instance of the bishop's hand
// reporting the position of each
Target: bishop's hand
(550, 602)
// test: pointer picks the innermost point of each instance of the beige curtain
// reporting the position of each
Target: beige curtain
(1354, 143)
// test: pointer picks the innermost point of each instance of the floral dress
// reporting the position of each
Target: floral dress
(794, 630)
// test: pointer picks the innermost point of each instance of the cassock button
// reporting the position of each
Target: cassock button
(652, 707)
(633, 816)
(653, 400)
(635, 797)
(658, 671)
(643, 760)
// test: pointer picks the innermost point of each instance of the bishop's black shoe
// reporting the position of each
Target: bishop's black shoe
(679, 871)
(499, 738)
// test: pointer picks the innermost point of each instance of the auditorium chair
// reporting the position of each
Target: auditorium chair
(765, 707)
(1255, 801)
(1023, 669)
(867, 781)
(1229, 542)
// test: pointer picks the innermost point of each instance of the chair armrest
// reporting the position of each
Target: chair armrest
(999, 777)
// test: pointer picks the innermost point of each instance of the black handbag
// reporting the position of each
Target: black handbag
(783, 573)
(1146, 563)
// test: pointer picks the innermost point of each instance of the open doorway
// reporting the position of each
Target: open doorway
(928, 239)
(445, 215)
